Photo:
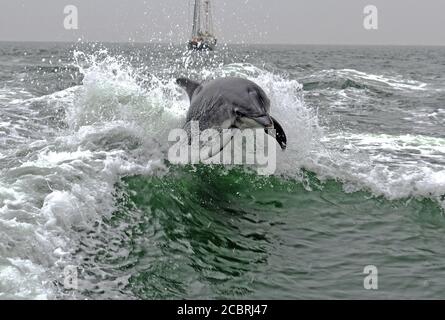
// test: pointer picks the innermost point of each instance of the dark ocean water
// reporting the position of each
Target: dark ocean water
(84, 180)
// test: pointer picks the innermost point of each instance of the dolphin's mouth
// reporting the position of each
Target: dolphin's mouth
(265, 121)
(270, 125)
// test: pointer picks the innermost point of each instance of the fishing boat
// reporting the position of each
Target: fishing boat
(203, 37)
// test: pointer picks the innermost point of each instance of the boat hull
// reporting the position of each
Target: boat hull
(202, 45)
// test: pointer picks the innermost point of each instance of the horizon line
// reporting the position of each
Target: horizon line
(229, 43)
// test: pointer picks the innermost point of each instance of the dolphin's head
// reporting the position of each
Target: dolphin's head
(250, 105)
(251, 109)
(254, 113)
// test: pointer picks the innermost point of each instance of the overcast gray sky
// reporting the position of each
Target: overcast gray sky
(401, 22)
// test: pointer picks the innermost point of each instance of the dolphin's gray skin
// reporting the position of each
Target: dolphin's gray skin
(230, 103)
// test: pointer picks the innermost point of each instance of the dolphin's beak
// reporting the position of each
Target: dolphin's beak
(280, 135)
(264, 121)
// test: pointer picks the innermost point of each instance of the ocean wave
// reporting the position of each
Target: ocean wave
(350, 78)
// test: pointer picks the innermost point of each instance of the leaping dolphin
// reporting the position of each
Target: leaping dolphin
(230, 103)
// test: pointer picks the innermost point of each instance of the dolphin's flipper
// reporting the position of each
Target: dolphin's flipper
(281, 135)
(188, 85)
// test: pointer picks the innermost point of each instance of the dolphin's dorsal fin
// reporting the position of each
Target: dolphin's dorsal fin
(188, 85)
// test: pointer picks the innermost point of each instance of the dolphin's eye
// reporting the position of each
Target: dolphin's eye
(239, 113)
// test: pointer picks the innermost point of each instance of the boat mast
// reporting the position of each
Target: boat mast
(196, 19)
(208, 18)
